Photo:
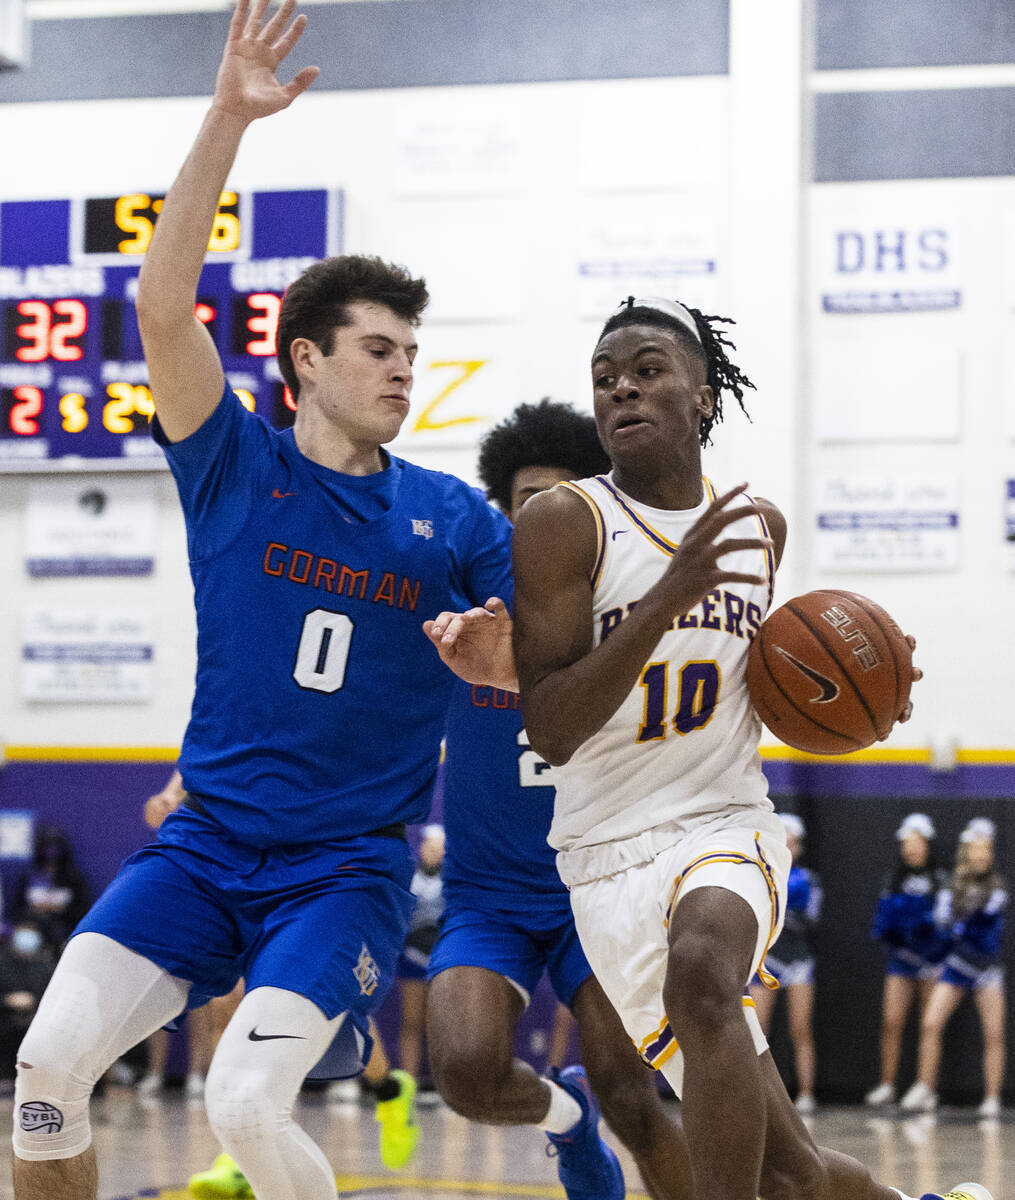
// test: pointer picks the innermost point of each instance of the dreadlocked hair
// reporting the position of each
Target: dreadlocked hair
(722, 375)
(547, 434)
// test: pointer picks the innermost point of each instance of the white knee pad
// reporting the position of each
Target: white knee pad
(82, 1026)
(54, 1083)
(246, 1105)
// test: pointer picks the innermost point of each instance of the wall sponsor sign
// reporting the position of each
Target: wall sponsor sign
(442, 148)
(652, 245)
(876, 254)
(70, 655)
(888, 523)
(90, 526)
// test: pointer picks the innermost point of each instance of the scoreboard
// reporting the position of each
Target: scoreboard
(73, 381)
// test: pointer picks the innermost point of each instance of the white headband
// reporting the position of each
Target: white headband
(916, 823)
(794, 826)
(979, 828)
(672, 308)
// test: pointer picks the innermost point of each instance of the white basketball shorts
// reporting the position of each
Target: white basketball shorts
(624, 895)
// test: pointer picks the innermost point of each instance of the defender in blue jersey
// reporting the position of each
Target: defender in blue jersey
(508, 916)
(319, 704)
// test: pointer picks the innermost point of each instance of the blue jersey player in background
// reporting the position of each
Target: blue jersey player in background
(319, 703)
(508, 916)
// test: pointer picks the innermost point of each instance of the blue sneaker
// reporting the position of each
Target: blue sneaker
(962, 1191)
(586, 1166)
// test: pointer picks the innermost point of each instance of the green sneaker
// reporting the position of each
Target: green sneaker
(225, 1181)
(399, 1132)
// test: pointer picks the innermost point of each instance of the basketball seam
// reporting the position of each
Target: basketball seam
(852, 742)
(818, 636)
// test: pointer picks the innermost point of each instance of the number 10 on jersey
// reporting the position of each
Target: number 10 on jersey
(697, 695)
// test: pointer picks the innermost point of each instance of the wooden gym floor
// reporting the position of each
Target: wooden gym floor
(148, 1148)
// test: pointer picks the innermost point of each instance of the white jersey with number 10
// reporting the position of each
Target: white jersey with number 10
(683, 746)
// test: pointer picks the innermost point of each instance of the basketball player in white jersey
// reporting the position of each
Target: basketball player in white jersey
(636, 597)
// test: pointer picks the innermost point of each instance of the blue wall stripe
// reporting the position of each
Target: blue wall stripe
(914, 135)
(913, 33)
(402, 43)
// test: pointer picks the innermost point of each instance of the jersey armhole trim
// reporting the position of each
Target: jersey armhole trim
(769, 553)
(597, 568)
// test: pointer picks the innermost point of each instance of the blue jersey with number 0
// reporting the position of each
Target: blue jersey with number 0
(498, 804)
(319, 703)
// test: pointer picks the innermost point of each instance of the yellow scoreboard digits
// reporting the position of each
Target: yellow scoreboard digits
(127, 398)
(136, 214)
(129, 215)
(225, 234)
(72, 409)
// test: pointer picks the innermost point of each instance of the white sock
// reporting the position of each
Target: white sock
(564, 1112)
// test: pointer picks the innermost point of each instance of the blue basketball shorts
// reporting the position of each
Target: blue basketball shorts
(326, 920)
(412, 964)
(508, 945)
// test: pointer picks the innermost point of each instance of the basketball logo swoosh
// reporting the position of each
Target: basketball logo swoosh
(829, 689)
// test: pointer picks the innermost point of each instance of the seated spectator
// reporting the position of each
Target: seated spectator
(53, 894)
(25, 969)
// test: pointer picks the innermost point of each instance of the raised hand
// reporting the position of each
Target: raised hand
(247, 85)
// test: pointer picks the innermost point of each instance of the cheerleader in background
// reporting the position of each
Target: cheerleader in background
(791, 961)
(904, 924)
(972, 910)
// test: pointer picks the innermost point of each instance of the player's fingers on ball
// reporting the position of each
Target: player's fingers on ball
(906, 713)
(917, 674)
(495, 605)
(911, 640)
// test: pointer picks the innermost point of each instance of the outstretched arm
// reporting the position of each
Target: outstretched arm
(184, 368)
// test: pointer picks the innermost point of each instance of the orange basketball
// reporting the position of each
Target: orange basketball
(829, 672)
